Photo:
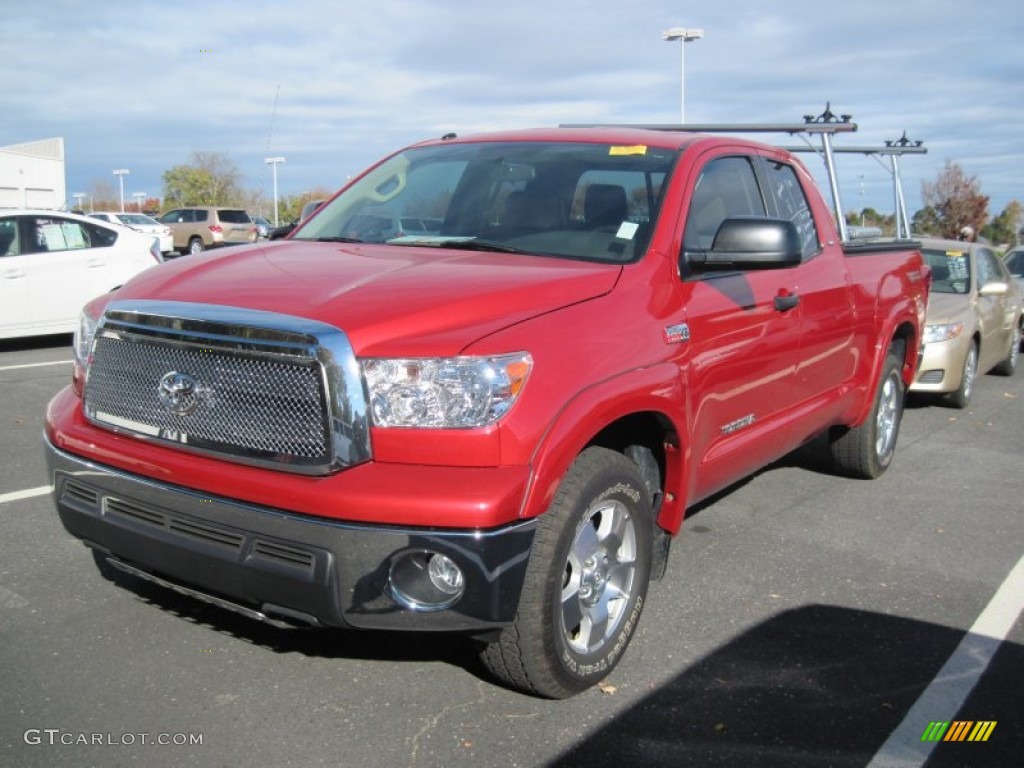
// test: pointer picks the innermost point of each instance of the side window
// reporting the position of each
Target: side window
(100, 237)
(988, 268)
(50, 233)
(792, 202)
(198, 215)
(9, 245)
(727, 187)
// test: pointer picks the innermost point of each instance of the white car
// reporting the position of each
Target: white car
(141, 223)
(52, 263)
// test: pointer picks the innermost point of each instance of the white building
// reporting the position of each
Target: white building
(32, 175)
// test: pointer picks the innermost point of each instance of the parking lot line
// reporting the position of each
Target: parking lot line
(26, 494)
(34, 365)
(949, 690)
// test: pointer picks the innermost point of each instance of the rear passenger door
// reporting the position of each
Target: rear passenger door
(744, 334)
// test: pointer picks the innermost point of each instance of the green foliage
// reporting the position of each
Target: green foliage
(210, 178)
(1005, 229)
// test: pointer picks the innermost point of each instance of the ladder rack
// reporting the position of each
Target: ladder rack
(893, 150)
(826, 125)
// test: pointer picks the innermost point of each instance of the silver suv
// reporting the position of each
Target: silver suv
(207, 226)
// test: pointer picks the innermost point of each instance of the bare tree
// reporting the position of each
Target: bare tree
(956, 199)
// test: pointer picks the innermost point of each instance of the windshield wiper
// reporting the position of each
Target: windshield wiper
(479, 245)
(330, 239)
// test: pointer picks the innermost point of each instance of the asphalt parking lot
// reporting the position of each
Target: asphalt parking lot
(806, 620)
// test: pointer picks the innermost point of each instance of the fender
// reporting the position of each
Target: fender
(653, 390)
(890, 330)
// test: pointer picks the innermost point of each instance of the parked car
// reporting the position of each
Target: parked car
(198, 228)
(974, 319)
(285, 229)
(1014, 261)
(52, 263)
(141, 223)
(263, 227)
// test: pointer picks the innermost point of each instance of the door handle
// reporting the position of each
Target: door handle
(787, 302)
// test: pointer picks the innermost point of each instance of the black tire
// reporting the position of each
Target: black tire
(586, 582)
(961, 397)
(1008, 365)
(195, 245)
(866, 451)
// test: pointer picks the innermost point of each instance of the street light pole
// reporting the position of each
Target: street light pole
(684, 36)
(140, 198)
(121, 173)
(79, 197)
(273, 161)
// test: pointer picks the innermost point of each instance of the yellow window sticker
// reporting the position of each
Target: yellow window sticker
(637, 149)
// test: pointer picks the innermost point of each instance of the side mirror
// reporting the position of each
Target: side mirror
(749, 242)
(996, 288)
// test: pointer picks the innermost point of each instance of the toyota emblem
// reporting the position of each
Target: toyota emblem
(179, 393)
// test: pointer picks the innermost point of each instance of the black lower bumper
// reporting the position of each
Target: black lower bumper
(280, 566)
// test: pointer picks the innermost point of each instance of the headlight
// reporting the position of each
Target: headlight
(84, 334)
(445, 393)
(946, 332)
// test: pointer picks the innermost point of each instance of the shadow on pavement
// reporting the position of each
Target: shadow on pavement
(815, 686)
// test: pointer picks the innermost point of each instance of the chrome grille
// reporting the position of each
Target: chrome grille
(262, 394)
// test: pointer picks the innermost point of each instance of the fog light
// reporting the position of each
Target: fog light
(425, 581)
(445, 575)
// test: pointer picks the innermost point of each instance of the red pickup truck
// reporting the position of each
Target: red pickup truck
(493, 424)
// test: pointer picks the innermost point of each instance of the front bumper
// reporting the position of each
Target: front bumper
(941, 367)
(277, 565)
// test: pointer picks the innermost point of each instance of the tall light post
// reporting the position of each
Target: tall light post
(139, 198)
(273, 161)
(121, 173)
(684, 36)
(79, 197)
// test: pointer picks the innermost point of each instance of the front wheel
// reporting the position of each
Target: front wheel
(1008, 364)
(866, 451)
(585, 584)
(961, 397)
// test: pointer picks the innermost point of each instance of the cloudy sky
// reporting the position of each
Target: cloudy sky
(332, 85)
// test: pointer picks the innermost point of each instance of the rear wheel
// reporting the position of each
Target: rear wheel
(867, 450)
(961, 398)
(585, 584)
(195, 245)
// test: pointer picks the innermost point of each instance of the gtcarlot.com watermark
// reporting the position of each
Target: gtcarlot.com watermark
(59, 737)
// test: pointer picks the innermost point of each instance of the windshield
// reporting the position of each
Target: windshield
(595, 202)
(951, 270)
(137, 220)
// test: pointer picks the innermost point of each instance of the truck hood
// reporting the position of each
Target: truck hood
(947, 308)
(389, 300)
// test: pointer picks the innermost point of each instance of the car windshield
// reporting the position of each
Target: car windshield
(951, 270)
(137, 220)
(595, 202)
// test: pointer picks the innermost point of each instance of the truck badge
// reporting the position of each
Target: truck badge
(676, 334)
(179, 393)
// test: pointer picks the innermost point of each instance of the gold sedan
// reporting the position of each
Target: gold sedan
(974, 319)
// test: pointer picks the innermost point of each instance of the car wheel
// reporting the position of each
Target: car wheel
(866, 451)
(1008, 364)
(195, 245)
(961, 398)
(585, 584)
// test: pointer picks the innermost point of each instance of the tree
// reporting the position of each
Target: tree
(1005, 229)
(926, 222)
(209, 178)
(956, 199)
